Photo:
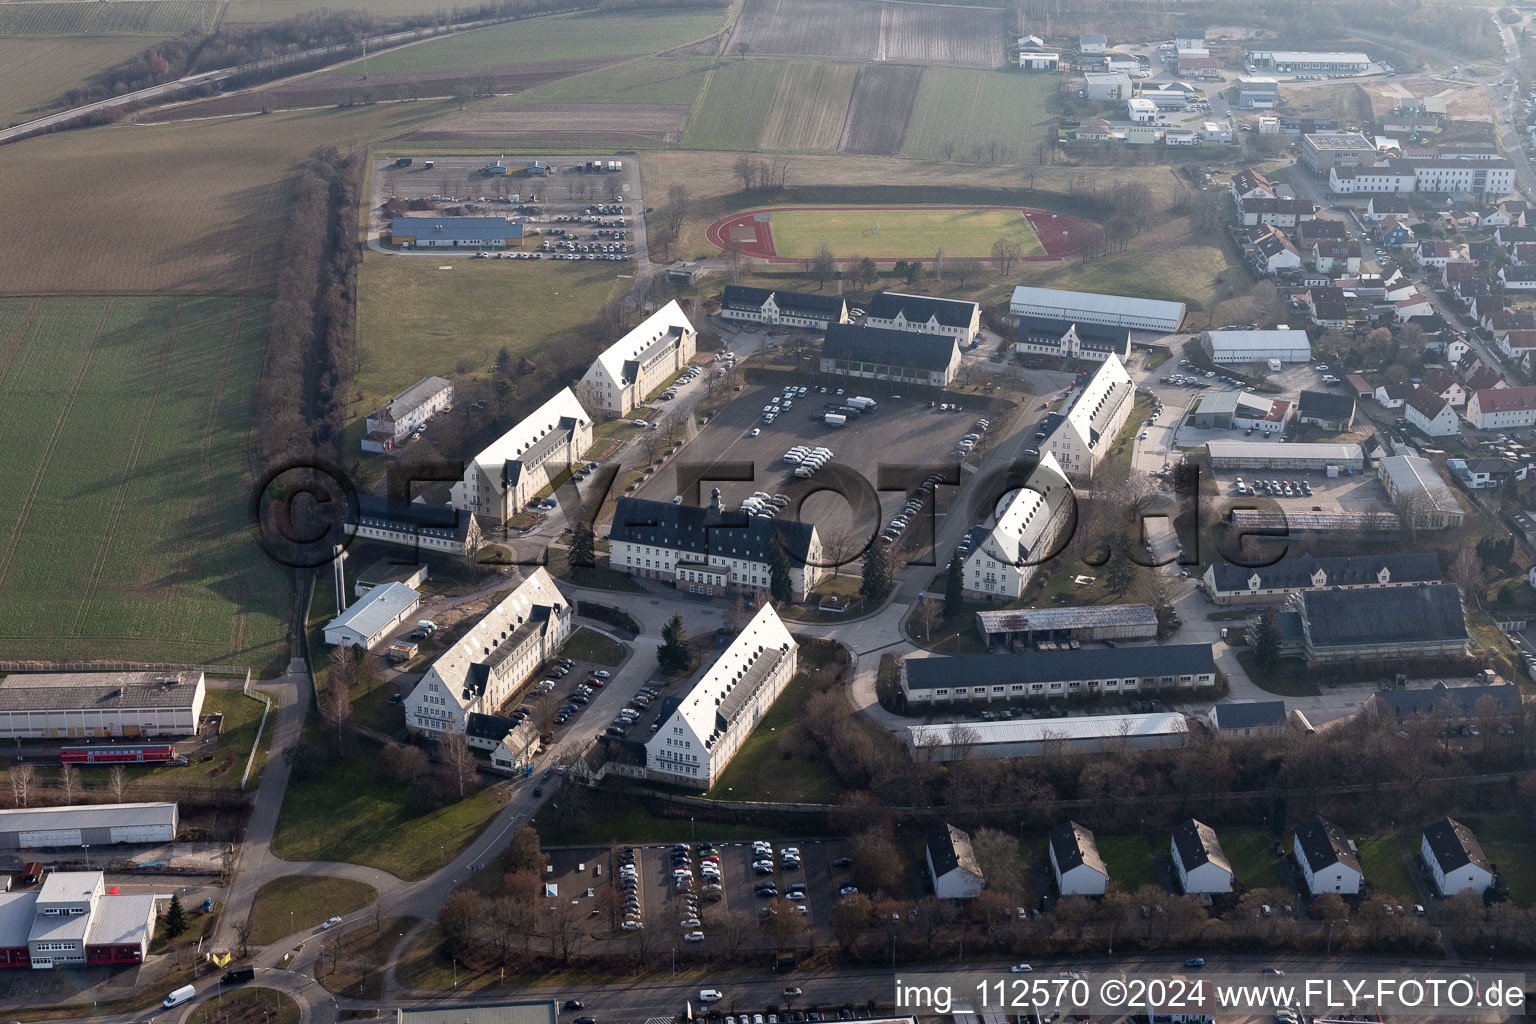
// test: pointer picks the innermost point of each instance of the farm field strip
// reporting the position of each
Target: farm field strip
(883, 96)
(36, 72)
(902, 233)
(159, 18)
(564, 37)
(658, 80)
(974, 110)
(132, 543)
(942, 35)
(551, 120)
(735, 105)
(808, 28)
(811, 107)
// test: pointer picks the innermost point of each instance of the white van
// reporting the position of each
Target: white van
(710, 995)
(179, 996)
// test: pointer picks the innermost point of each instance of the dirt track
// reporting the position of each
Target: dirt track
(563, 121)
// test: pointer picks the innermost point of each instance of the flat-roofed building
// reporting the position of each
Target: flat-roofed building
(1257, 92)
(1344, 149)
(703, 732)
(1241, 410)
(1419, 493)
(1006, 677)
(1270, 455)
(75, 705)
(1023, 628)
(1029, 737)
(1136, 314)
(369, 620)
(439, 232)
(501, 480)
(1291, 61)
(73, 921)
(1228, 347)
(627, 371)
(1106, 86)
(38, 828)
(390, 570)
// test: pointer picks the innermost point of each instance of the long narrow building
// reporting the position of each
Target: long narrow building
(1080, 439)
(1006, 554)
(502, 479)
(638, 363)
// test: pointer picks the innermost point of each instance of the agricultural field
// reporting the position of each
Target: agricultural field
(555, 122)
(193, 207)
(808, 28)
(247, 12)
(567, 37)
(735, 105)
(889, 233)
(810, 108)
(883, 98)
(942, 34)
(415, 320)
(35, 73)
(126, 531)
(159, 18)
(964, 113)
(659, 80)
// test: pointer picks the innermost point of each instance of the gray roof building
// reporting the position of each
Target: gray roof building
(882, 345)
(1336, 618)
(1074, 845)
(1198, 845)
(33, 691)
(1325, 844)
(951, 848)
(707, 531)
(1327, 407)
(1457, 702)
(806, 305)
(921, 308)
(1308, 572)
(1455, 846)
(1034, 667)
(1234, 716)
(87, 816)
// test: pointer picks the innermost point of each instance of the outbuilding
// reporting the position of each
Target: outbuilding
(1227, 347)
(37, 828)
(369, 621)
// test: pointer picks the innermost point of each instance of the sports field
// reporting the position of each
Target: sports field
(124, 533)
(883, 232)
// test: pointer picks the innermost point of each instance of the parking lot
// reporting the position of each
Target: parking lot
(1358, 493)
(841, 497)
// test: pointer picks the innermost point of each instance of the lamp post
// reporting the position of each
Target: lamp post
(455, 973)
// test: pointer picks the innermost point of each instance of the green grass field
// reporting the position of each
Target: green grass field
(1510, 844)
(1128, 860)
(1253, 859)
(735, 105)
(566, 37)
(901, 233)
(124, 531)
(295, 902)
(972, 109)
(810, 108)
(661, 80)
(414, 319)
(159, 18)
(1382, 863)
(35, 73)
(759, 771)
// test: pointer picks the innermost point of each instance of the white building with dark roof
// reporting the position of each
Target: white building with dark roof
(884, 353)
(1094, 308)
(702, 733)
(369, 620)
(1246, 719)
(901, 312)
(952, 865)
(112, 705)
(1071, 342)
(782, 308)
(414, 525)
(1329, 861)
(493, 659)
(501, 480)
(406, 412)
(1080, 439)
(1455, 858)
(1056, 674)
(1227, 583)
(1006, 554)
(1075, 861)
(638, 363)
(1199, 860)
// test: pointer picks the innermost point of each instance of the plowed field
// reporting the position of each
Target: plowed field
(810, 108)
(883, 96)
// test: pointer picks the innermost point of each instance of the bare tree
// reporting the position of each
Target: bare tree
(823, 264)
(735, 261)
(69, 782)
(243, 930)
(840, 547)
(21, 783)
(1005, 253)
(458, 762)
(734, 926)
(948, 149)
(745, 168)
(336, 711)
(463, 92)
(117, 783)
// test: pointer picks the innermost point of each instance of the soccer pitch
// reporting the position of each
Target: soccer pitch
(886, 233)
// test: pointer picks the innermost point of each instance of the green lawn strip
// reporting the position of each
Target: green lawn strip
(649, 80)
(1128, 860)
(604, 817)
(248, 1006)
(974, 109)
(1253, 860)
(1117, 466)
(1288, 678)
(295, 902)
(734, 106)
(242, 716)
(760, 769)
(587, 644)
(345, 812)
(885, 233)
(1382, 863)
(365, 951)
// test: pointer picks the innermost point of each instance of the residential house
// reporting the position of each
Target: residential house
(1355, 180)
(1392, 232)
(1330, 410)
(1281, 213)
(1075, 860)
(1071, 342)
(1216, 133)
(1518, 278)
(1092, 43)
(1328, 860)
(1434, 252)
(952, 866)
(1327, 306)
(1274, 253)
(1482, 474)
(626, 372)
(1484, 378)
(1006, 555)
(1510, 235)
(1094, 129)
(1413, 303)
(503, 478)
(1430, 413)
(1522, 253)
(404, 414)
(1309, 231)
(1386, 207)
(1393, 396)
(1446, 386)
(1198, 859)
(1251, 183)
(1502, 408)
(1336, 257)
(1455, 858)
(1516, 344)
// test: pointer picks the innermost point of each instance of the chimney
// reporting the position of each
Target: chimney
(714, 499)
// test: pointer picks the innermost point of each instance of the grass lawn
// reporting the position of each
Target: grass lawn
(1510, 844)
(606, 816)
(1383, 866)
(567, 37)
(1128, 860)
(760, 769)
(901, 234)
(1253, 860)
(248, 1006)
(586, 644)
(295, 902)
(35, 73)
(662, 80)
(1289, 678)
(366, 949)
(347, 813)
(735, 105)
(140, 548)
(970, 109)
(242, 716)
(415, 320)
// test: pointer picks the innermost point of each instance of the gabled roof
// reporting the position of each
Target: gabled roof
(1074, 846)
(1059, 666)
(1338, 618)
(1197, 842)
(1455, 846)
(1390, 204)
(819, 307)
(1458, 701)
(464, 668)
(1341, 570)
(1483, 378)
(1248, 714)
(376, 609)
(1328, 405)
(1324, 844)
(712, 704)
(1520, 339)
(1041, 330)
(921, 308)
(665, 323)
(1426, 403)
(1249, 179)
(1522, 272)
(1507, 399)
(950, 849)
(910, 349)
(549, 424)
(411, 398)
(1015, 538)
(707, 531)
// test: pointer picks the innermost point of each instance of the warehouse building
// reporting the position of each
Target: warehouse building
(1226, 583)
(781, 308)
(413, 524)
(631, 368)
(500, 481)
(372, 617)
(73, 921)
(1007, 554)
(1242, 410)
(1280, 523)
(701, 735)
(390, 570)
(1386, 624)
(1257, 92)
(40, 828)
(1136, 314)
(1031, 737)
(1290, 61)
(73, 705)
(1023, 628)
(437, 232)
(404, 414)
(1228, 347)
(897, 311)
(1268, 455)
(1422, 497)
(880, 353)
(1071, 342)
(1010, 677)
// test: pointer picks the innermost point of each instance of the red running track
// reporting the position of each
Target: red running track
(1060, 234)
